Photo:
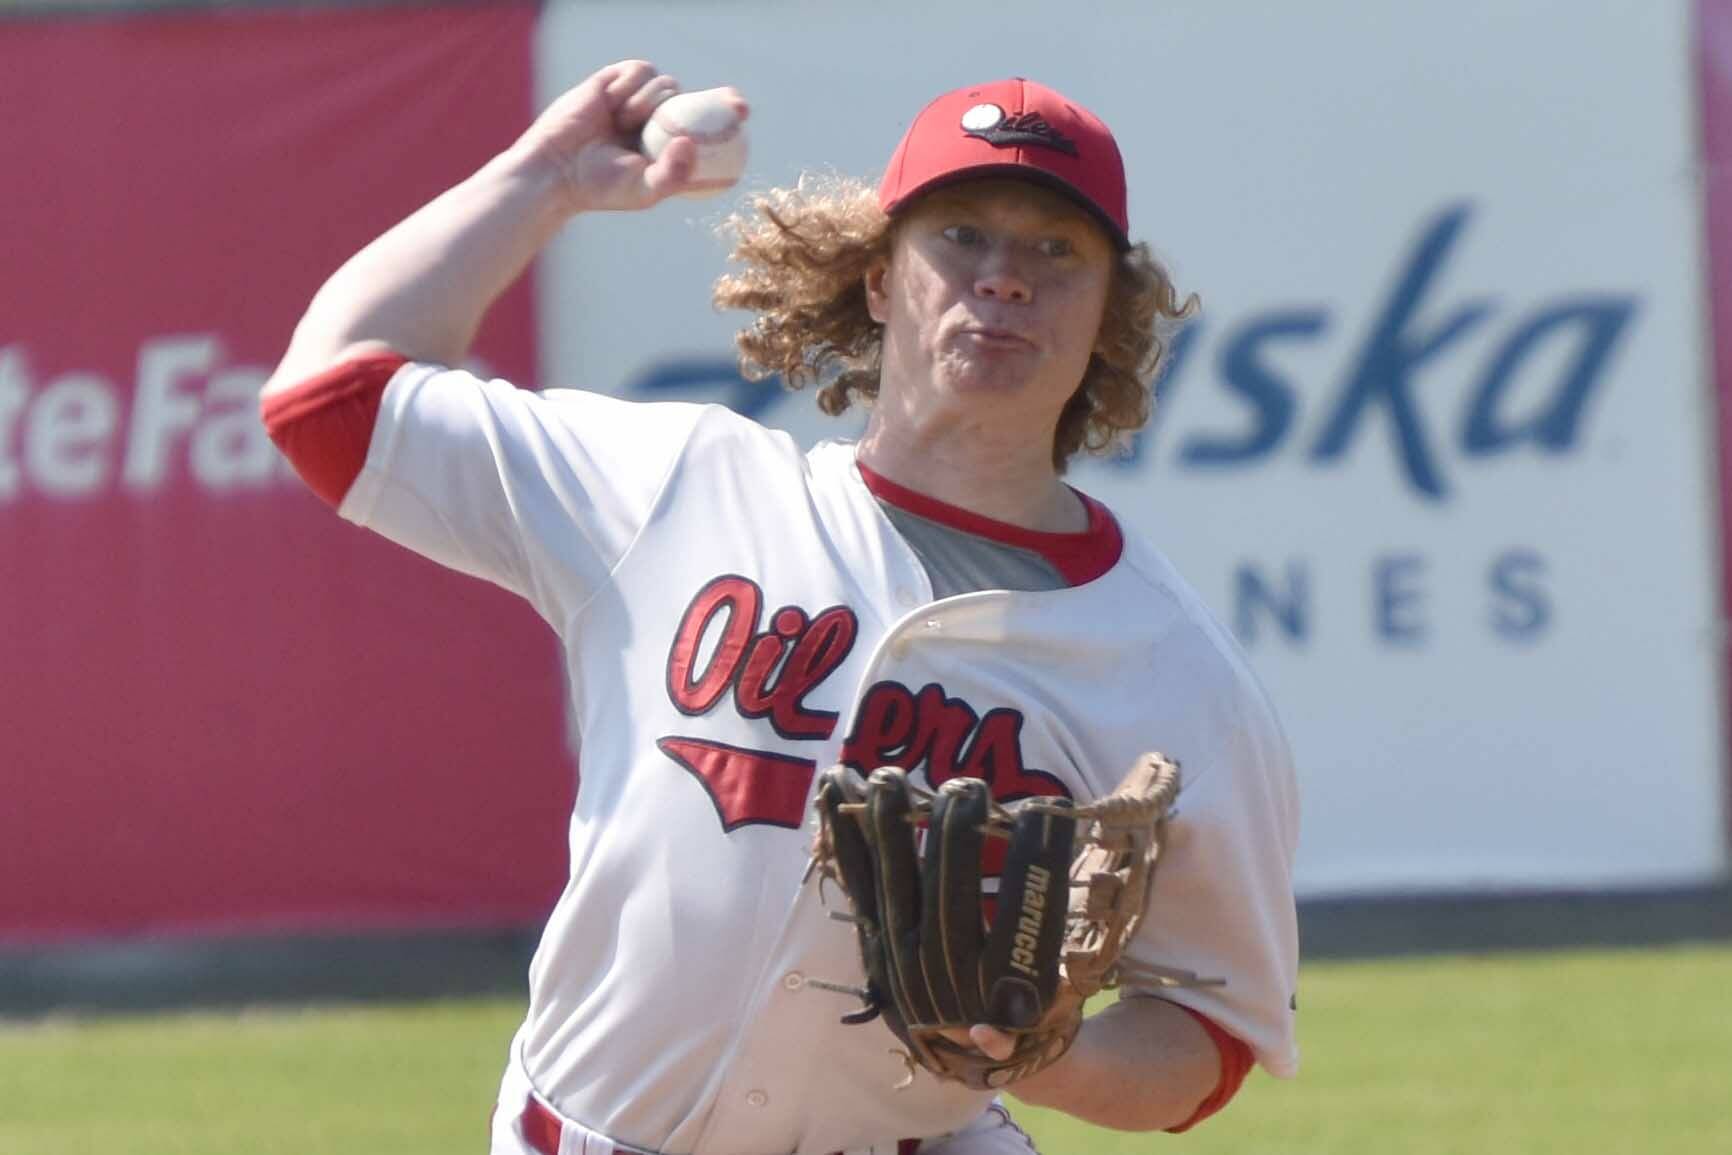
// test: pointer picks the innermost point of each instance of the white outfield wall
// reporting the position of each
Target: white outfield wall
(1440, 447)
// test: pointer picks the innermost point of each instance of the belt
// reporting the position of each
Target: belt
(542, 1129)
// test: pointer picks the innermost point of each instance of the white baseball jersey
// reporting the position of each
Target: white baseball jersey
(735, 614)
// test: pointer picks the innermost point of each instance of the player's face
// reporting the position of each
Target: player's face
(994, 289)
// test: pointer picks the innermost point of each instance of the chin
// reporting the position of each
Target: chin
(996, 377)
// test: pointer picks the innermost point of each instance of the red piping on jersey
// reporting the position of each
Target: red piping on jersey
(1236, 1062)
(324, 424)
(1079, 557)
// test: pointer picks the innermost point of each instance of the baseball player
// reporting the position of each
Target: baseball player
(737, 614)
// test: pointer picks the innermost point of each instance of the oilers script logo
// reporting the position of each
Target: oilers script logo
(765, 666)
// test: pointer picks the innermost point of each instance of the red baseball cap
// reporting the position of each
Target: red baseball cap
(1013, 128)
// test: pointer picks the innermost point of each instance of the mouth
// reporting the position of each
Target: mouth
(990, 337)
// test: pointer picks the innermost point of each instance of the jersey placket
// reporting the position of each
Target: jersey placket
(759, 1094)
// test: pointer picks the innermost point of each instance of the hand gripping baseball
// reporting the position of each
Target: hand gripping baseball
(978, 1003)
(590, 135)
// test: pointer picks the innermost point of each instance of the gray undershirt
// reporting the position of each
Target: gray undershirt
(958, 562)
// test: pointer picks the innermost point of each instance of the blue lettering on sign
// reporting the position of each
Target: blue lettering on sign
(1521, 608)
(1383, 378)
(1287, 608)
(1398, 601)
(1596, 323)
(1246, 373)
(1383, 375)
(1414, 335)
(1267, 608)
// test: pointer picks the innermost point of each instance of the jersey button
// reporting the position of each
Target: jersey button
(756, 1099)
(793, 980)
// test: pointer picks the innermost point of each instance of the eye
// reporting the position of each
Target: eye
(965, 235)
(1055, 247)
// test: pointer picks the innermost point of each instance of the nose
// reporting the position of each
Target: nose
(999, 279)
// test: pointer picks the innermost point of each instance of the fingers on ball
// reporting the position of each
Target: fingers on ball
(674, 167)
(635, 112)
(626, 78)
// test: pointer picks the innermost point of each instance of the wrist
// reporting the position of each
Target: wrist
(543, 178)
(1044, 1088)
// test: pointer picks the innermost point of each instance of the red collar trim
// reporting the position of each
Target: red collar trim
(1079, 557)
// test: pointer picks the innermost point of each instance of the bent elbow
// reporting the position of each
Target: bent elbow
(324, 423)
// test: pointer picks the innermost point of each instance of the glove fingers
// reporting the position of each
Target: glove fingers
(836, 786)
(1023, 948)
(888, 813)
(952, 934)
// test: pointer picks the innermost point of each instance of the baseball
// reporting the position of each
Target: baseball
(712, 118)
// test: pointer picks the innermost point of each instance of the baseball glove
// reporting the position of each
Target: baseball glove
(933, 963)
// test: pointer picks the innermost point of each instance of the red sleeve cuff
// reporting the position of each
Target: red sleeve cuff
(1236, 1062)
(324, 424)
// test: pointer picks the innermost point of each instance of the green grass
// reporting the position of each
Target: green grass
(1583, 1054)
(1579, 1054)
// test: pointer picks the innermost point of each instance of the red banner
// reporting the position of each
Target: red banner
(223, 708)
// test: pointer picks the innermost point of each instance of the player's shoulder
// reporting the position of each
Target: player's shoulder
(722, 427)
(730, 452)
(833, 460)
(448, 390)
(1185, 627)
(710, 431)
(585, 405)
(1167, 593)
(1205, 688)
(700, 441)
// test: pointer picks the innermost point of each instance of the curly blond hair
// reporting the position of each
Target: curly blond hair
(804, 254)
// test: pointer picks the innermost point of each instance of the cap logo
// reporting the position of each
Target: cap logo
(988, 122)
(983, 118)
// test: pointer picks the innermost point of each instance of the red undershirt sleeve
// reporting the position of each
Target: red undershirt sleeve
(1236, 1062)
(324, 424)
